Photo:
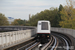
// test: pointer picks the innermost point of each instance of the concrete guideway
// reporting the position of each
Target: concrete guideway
(64, 31)
(53, 41)
(24, 41)
(65, 42)
(54, 44)
(9, 39)
(25, 46)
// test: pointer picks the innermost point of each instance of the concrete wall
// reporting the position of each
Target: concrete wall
(64, 30)
(9, 38)
(15, 28)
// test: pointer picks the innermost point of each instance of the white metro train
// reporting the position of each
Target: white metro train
(43, 31)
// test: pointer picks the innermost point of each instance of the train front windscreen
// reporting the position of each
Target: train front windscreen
(44, 26)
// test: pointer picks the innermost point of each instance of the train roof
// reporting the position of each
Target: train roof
(43, 21)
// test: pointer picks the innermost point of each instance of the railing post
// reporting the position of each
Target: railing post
(9, 38)
(6, 40)
(23, 34)
(16, 36)
(12, 37)
(19, 35)
(2, 40)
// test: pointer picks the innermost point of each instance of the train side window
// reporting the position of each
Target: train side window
(44, 26)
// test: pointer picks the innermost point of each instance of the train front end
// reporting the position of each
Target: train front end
(43, 31)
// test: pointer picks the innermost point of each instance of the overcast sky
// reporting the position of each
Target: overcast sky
(22, 8)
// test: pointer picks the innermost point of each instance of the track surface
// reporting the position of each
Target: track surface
(65, 42)
(57, 42)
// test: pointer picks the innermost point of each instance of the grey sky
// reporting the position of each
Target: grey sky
(22, 8)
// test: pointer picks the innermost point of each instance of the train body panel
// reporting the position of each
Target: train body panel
(43, 26)
(43, 31)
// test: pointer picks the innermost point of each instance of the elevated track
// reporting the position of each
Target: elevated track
(57, 42)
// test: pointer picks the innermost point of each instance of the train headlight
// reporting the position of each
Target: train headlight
(38, 36)
(47, 36)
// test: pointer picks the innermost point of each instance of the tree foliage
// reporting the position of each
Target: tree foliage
(64, 16)
(60, 8)
(3, 20)
(59, 17)
(19, 22)
(68, 16)
(52, 15)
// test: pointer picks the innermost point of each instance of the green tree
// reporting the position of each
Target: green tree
(19, 22)
(68, 16)
(60, 8)
(15, 22)
(51, 15)
(3, 20)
